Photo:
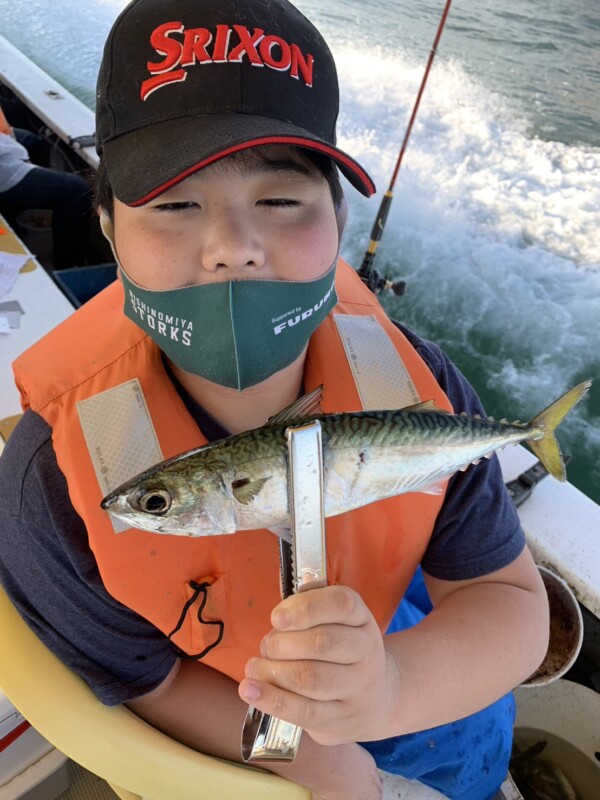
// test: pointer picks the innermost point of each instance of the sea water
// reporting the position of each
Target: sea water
(495, 224)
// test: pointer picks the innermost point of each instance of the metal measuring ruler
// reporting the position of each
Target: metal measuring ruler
(267, 738)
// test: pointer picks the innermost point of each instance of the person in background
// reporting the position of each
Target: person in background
(27, 185)
(219, 191)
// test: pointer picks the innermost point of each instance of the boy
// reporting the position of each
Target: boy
(216, 127)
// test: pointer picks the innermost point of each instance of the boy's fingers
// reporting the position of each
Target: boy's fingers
(302, 711)
(313, 680)
(329, 605)
(340, 644)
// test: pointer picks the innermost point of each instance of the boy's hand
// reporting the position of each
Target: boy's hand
(324, 667)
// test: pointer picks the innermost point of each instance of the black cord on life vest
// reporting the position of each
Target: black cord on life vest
(198, 587)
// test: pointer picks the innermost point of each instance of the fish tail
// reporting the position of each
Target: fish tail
(546, 448)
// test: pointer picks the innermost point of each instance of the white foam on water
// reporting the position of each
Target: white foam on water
(497, 234)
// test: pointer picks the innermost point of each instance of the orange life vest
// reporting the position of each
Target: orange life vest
(4, 126)
(374, 549)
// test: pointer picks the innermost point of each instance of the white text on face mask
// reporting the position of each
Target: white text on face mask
(173, 328)
(299, 315)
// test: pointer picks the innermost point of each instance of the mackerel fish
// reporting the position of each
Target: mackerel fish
(240, 483)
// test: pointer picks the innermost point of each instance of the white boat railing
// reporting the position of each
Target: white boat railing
(60, 110)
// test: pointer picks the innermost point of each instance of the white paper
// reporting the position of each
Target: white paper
(13, 311)
(10, 264)
(4, 326)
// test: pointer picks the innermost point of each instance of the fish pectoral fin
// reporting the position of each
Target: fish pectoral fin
(427, 405)
(304, 406)
(245, 489)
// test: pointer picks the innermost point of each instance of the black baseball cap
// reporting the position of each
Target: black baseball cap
(184, 83)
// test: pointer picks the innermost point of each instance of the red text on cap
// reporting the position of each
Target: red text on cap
(261, 51)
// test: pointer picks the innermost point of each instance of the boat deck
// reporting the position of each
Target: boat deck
(43, 307)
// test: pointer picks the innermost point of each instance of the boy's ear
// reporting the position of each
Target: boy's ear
(108, 230)
(106, 225)
(341, 215)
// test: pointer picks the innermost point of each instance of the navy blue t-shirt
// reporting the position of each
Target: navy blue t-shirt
(50, 574)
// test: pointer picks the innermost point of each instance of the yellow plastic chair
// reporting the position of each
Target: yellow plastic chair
(137, 761)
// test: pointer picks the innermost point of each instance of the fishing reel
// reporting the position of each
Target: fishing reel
(370, 277)
(378, 283)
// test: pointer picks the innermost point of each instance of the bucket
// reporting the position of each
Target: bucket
(34, 226)
(559, 726)
(566, 631)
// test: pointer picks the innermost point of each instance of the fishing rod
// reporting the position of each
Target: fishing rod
(367, 274)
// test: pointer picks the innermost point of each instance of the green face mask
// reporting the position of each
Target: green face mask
(235, 333)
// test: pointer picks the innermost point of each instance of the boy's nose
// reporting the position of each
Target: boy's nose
(232, 244)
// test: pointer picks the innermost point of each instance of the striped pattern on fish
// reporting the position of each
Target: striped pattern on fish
(240, 483)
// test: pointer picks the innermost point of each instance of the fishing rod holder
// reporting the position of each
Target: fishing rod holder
(520, 488)
(378, 283)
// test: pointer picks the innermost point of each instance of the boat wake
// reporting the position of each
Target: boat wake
(495, 232)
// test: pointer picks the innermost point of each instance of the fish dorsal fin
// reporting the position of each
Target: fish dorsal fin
(426, 405)
(245, 489)
(304, 406)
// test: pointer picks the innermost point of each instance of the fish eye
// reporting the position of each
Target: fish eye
(152, 501)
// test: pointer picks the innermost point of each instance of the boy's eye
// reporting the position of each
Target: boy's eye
(280, 202)
(180, 206)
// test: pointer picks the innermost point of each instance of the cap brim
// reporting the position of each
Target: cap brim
(147, 162)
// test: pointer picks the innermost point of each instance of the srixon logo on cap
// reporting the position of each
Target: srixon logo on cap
(228, 44)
